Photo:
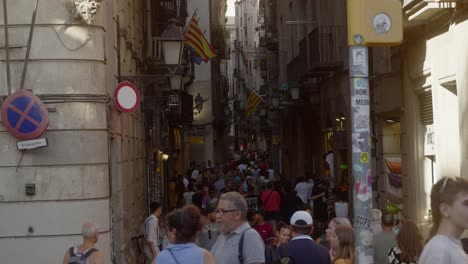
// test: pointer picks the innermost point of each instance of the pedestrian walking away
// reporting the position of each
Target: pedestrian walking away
(151, 228)
(183, 227)
(85, 253)
(384, 240)
(302, 249)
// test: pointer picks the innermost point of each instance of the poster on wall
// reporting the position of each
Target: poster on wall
(394, 183)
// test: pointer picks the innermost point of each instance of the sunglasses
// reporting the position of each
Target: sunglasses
(444, 184)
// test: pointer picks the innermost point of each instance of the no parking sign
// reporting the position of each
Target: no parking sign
(24, 115)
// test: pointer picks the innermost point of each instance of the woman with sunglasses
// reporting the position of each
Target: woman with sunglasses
(449, 205)
(183, 227)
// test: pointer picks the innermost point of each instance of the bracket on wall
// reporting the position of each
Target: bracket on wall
(143, 81)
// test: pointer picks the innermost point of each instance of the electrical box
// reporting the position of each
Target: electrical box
(375, 22)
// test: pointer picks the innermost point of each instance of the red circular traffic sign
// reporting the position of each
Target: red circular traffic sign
(127, 97)
(24, 115)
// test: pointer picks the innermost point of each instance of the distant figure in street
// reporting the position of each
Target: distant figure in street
(385, 240)
(210, 231)
(231, 216)
(304, 189)
(151, 227)
(376, 225)
(283, 234)
(330, 231)
(85, 252)
(409, 245)
(271, 202)
(302, 249)
(183, 227)
(264, 229)
(449, 206)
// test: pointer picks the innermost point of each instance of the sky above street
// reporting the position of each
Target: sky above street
(231, 10)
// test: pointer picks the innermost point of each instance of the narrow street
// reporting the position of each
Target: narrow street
(333, 122)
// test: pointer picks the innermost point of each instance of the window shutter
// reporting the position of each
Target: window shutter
(427, 116)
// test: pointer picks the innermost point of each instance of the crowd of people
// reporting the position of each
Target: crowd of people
(242, 212)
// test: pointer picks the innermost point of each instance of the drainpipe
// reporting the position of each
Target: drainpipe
(149, 36)
(7, 52)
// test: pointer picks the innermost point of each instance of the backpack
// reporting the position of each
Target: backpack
(271, 257)
(80, 258)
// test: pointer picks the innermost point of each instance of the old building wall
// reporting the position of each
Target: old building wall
(73, 69)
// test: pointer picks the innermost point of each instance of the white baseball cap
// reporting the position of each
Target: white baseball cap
(301, 218)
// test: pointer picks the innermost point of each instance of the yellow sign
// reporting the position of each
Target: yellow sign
(365, 157)
(375, 22)
(196, 140)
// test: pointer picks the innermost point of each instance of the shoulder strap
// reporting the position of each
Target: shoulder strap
(72, 251)
(268, 198)
(89, 252)
(172, 254)
(241, 247)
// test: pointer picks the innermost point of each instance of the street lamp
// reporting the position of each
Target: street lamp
(172, 42)
(172, 46)
(199, 103)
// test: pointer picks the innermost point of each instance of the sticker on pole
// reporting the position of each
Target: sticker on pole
(24, 115)
(127, 97)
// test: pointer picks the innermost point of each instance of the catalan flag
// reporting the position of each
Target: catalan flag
(253, 102)
(197, 41)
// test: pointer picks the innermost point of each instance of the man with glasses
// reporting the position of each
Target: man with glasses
(231, 216)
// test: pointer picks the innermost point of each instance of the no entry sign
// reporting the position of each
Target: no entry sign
(24, 115)
(127, 97)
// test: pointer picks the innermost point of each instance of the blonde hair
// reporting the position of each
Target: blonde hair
(444, 191)
(346, 244)
(410, 242)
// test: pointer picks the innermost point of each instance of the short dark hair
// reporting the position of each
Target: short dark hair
(306, 230)
(186, 222)
(154, 206)
(388, 219)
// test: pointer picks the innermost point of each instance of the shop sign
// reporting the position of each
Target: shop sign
(196, 140)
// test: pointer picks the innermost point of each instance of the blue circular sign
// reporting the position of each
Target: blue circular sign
(24, 115)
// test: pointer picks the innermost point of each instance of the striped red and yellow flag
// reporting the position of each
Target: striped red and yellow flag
(253, 102)
(197, 41)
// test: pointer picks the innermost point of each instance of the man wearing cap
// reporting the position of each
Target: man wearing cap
(302, 249)
(231, 216)
(264, 229)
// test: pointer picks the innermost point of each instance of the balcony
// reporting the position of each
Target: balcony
(327, 49)
(322, 52)
(424, 10)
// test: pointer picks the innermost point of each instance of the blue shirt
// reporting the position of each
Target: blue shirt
(302, 249)
(188, 253)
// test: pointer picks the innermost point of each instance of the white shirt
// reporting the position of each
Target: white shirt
(442, 249)
(151, 233)
(303, 190)
(341, 209)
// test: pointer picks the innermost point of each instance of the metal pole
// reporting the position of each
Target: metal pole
(119, 67)
(31, 31)
(361, 169)
(7, 53)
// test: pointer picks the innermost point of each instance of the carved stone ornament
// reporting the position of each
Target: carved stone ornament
(83, 10)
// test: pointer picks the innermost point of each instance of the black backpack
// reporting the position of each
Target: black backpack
(80, 258)
(271, 257)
